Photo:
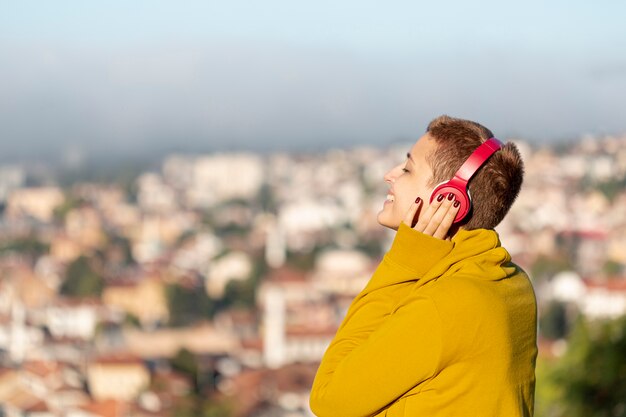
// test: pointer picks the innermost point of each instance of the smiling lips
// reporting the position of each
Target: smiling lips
(390, 198)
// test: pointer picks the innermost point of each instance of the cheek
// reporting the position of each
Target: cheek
(402, 205)
(424, 191)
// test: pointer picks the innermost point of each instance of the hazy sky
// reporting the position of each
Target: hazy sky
(135, 76)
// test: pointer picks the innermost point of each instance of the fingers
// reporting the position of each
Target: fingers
(447, 220)
(409, 219)
(439, 217)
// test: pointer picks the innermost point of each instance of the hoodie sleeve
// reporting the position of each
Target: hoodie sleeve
(403, 352)
(375, 357)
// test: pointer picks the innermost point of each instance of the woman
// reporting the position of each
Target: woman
(447, 324)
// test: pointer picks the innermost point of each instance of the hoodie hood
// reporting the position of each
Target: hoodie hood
(424, 258)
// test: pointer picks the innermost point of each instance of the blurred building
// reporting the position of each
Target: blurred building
(117, 377)
(38, 203)
(141, 296)
(12, 177)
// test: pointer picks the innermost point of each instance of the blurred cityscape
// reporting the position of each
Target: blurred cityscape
(212, 285)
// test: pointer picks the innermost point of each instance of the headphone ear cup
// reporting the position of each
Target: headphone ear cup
(460, 195)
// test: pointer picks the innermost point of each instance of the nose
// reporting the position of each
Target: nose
(391, 175)
(388, 178)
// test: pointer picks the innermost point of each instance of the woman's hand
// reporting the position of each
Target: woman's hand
(437, 220)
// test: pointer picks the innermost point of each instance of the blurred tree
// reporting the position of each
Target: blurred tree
(26, 246)
(187, 305)
(260, 267)
(243, 293)
(612, 268)
(239, 294)
(70, 203)
(371, 247)
(305, 260)
(132, 320)
(266, 199)
(185, 362)
(196, 404)
(124, 245)
(592, 373)
(185, 236)
(612, 188)
(553, 321)
(545, 267)
(81, 280)
(369, 188)
(215, 409)
(547, 391)
(231, 229)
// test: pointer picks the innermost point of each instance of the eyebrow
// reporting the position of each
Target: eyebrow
(408, 155)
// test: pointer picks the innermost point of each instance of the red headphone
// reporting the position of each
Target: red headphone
(458, 184)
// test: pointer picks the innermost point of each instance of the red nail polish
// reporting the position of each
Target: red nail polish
(418, 200)
(440, 197)
(450, 196)
(457, 203)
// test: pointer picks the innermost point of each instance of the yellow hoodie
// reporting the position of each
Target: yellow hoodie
(443, 328)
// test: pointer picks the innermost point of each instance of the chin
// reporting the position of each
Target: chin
(384, 220)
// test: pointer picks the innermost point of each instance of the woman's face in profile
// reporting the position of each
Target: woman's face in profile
(407, 181)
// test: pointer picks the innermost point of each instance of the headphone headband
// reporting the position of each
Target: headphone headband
(477, 159)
